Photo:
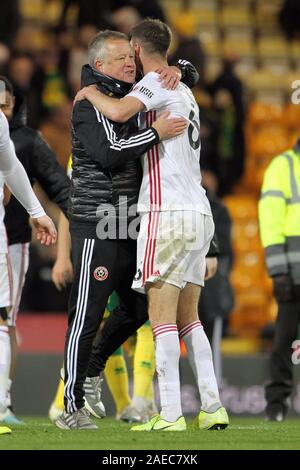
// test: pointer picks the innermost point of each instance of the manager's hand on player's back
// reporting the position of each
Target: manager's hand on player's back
(169, 127)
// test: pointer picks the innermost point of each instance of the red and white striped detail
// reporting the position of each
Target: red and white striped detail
(16, 300)
(189, 328)
(155, 204)
(148, 265)
(164, 329)
(153, 169)
(3, 329)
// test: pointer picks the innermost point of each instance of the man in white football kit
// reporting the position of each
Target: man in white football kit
(14, 176)
(176, 230)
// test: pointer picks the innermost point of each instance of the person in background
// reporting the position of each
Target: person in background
(229, 116)
(279, 222)
(145, 9)
(27, 78)
(125, 18)
(188, 45)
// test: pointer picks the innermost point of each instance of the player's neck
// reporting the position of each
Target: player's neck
(154, 63)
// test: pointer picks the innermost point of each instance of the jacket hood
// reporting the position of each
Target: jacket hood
(89, 76)
(19, 118)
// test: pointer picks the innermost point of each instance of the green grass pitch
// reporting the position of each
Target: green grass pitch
(243, 433)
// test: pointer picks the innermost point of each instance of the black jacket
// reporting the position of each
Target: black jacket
(105, 158)
(40, 164)
(217, 298)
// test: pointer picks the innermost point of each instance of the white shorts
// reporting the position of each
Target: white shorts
(172, 247)
(19, 259)
(5, 281)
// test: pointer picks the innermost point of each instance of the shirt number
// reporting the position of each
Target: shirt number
(194, 131)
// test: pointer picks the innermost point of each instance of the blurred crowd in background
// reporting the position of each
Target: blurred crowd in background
(247, 53)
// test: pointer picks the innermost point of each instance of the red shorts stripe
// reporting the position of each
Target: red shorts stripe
(153, 242)
(145, 272)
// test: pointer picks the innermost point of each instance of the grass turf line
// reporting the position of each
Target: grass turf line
(243, 433)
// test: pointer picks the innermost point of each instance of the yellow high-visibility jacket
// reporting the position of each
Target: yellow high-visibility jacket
(279, 214)
(69, 168)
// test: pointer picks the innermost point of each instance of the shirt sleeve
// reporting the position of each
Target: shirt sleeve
(150, 92)
(103, 143)
(14, 174)
(4, 133)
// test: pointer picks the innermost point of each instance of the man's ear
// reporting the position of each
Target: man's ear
(137, 50)
(98, 65)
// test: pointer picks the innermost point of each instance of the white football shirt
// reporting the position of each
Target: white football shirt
(4, 143)
(171, 169)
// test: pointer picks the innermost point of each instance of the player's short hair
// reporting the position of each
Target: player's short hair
(97, 47)
(7, 84)
(153, 35)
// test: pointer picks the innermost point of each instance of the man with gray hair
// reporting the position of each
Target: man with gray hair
(106, 177)
(176, 231)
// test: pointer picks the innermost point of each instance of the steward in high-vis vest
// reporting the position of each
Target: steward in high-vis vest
(279, 220)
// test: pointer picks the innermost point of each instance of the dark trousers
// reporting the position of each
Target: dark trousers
(119, 326)
(100, 267)
(281, 367)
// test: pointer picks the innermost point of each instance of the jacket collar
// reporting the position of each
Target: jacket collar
(89, 76)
